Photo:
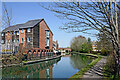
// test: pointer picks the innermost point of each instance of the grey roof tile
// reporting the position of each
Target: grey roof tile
(28, 24)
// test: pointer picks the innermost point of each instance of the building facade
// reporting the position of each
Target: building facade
(94, 46)
(55, 45)
(32, 34)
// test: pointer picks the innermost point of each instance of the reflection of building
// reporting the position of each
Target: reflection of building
(94, 46)
(46, 73)
(37, 70)
(32, 34)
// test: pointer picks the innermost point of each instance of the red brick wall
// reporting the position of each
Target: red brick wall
(42, 28)
(7, 37)
(22, 35)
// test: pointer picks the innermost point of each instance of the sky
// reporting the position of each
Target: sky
(24, 11)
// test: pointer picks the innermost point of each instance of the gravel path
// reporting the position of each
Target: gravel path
(96, 71)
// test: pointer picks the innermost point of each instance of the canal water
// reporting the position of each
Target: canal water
(63, 67)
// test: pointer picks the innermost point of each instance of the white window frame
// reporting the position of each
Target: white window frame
(2, 34)
(28, 39)
(47, 33)
(28, 30)
(17, 40)
(13, 40)
(22, 31)
(2, 41)
(17, 32)
(47, 41)
(14, 32)
(22, 40)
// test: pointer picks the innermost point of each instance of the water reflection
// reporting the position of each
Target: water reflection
(79, 61)
(63, 67)
(38, 70)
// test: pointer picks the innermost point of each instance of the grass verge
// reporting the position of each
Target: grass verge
(85, 69)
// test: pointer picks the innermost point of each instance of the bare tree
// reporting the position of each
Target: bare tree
(84, 16)
(7, 20)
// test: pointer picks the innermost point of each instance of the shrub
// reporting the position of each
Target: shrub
(109, 68)
(104, 52)
(9, 59)
(24, 57)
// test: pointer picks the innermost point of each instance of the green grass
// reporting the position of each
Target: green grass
(83, 70)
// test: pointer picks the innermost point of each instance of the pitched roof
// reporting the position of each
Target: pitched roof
(28, 24)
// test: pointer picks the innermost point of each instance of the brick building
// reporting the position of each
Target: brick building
(55, 45)
(32, 34)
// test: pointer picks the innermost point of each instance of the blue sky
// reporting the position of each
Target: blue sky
(24, 11)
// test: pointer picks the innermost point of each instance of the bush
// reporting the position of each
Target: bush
(24, 57)
(109, 68)
(104, 52)
(9, 59)
(99, 53)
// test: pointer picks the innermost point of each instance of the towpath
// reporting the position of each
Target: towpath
(96, 71)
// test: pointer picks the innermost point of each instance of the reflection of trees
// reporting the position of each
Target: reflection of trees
(31, 70)
(79, 61)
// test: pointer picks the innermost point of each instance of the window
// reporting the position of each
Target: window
(2, 34)
(18, 33)
(17, 40)
(22, 40)
(47, 42)
(9, 40)
(2, 41)
(14, 33)
(28, 30)
(28, 39)
(47, 33)
(9, 33)
(13, 40)
(22, 31)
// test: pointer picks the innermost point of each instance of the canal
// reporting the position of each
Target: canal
(63, 67)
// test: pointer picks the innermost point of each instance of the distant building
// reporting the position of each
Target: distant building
(94, 46)
(32, 34)
(64, 50)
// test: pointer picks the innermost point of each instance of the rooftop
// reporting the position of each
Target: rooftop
(28, 24)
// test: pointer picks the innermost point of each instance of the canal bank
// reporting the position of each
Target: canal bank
(63, 67)
(41, 60)
(31, 61)
(81, 73)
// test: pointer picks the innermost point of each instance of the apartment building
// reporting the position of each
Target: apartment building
(32, 34)
(55, 45)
